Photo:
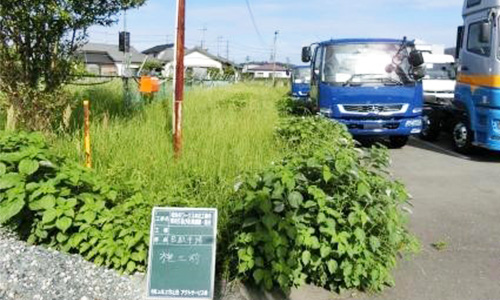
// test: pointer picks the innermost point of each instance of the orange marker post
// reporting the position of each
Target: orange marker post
(86, 133)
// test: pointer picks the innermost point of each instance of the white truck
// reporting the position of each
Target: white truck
(439, 91)
(439, 81)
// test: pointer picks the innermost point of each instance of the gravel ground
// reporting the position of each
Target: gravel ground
(36, 273)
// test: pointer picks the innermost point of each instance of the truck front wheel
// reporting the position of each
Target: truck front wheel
(430, 127)
(462, 137)
(398, 141)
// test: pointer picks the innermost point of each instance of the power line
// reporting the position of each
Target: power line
(254, 23)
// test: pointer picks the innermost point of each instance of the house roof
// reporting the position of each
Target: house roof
(269, 67)
(113, 52)
(158, 49)
(208, 54)
(101, 58)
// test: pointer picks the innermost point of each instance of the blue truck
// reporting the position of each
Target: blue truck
(373, 86)
(473, 115)
(300, 80)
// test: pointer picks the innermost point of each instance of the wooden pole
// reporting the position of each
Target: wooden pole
(86, 132)
(179, 77)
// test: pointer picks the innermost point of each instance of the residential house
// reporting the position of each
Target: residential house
(106, 59)
(266, 70)
(197, 61)
(163, 53)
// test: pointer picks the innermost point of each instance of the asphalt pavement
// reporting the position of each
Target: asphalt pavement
(456, 215)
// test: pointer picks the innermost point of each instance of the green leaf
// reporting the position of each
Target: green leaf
(374, 243)
(10, 180)
(306, 257)
(46, 202)
(327, 173)
(258, 275)
(99, 260)
(49, 215)
(61, 237)
(332, 266)
(310, 204)
(10, 208)
(325, 251)
(64, 223)
(295, 199)
(363, 189)
(28, 166)
(131, 266)
(3, 169)
(89, 216)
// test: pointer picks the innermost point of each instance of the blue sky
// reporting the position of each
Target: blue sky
(299, 23)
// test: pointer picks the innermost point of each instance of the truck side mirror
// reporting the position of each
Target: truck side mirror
(416, 58)
(485, 32)
(306, 54)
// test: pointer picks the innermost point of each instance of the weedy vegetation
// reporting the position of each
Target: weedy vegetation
(298, 201)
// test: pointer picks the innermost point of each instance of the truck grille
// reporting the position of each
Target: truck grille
(379, 109)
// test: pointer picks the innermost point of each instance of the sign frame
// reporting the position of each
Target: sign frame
(150, 251)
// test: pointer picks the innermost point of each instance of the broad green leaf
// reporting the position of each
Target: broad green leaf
(295, 199)
(306, 257)
(327, 173)
(89, 216)
(332, 266)
(131, 266)
(28, 166)
(64, 223)
(49, 215)
(3, 169)
(46, 202)
(279, 206)
(325, 251)
(374, 243)
(61, 237)
(363, 189)
(258, 275)
(10, 207)
(10, 180)
(310, 204)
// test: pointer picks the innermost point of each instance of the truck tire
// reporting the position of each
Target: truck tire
(462, 137)
(398, 141)
(431, 127)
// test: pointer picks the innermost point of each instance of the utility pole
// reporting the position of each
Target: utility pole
(126, 61)
(219, 40)
(274, 56)
(179, 76)
(203, 32)
(227, 49)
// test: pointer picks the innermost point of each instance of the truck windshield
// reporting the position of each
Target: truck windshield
(365, 63)
(302, 75)
(441, 71)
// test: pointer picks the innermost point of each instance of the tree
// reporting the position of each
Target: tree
(38, 41)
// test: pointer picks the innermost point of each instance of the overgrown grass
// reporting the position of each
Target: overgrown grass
(227, 131)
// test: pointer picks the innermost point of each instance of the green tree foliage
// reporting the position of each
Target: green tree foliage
(38, 40)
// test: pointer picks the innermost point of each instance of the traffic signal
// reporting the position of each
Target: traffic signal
(124, 41)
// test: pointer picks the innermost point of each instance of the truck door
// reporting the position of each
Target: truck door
(475, 66)
(316, 75)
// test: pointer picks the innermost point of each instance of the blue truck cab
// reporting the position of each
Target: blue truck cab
(300, 80)
(477, 94)
(371, 85)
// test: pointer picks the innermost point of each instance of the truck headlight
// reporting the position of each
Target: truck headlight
(496, 125)
(414, 123)
(327, 112)
(417, 110)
